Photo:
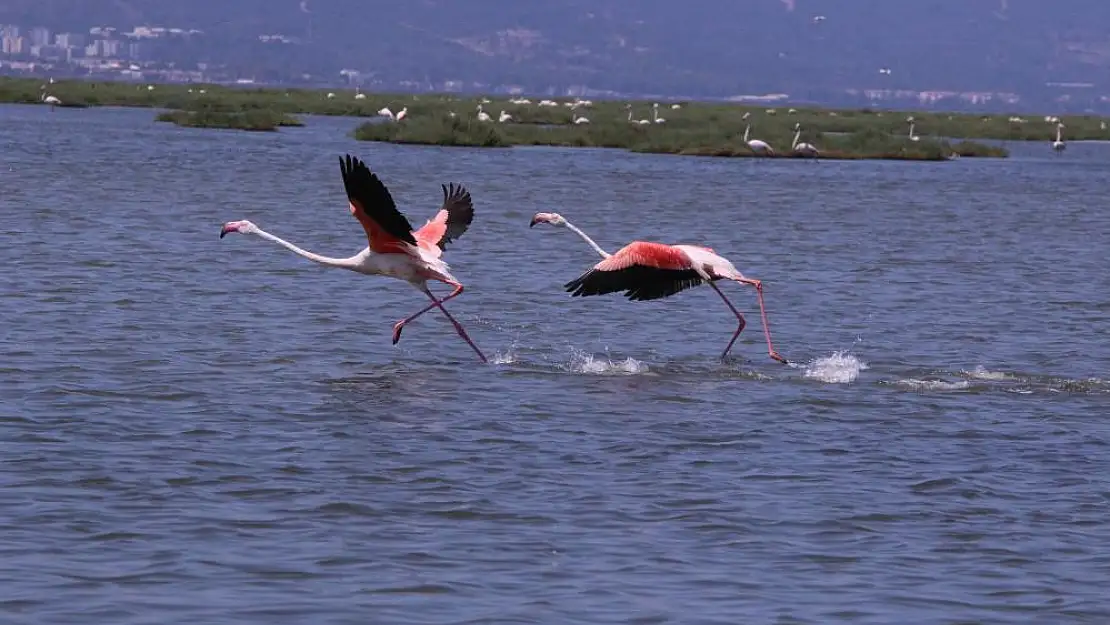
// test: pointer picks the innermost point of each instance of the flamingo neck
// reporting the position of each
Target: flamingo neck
(747, 129)
(797, 135)
(343, 263)
(587, 239)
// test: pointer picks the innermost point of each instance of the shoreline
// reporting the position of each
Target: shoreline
(685, 128)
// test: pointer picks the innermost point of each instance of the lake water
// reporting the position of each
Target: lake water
(197, 430)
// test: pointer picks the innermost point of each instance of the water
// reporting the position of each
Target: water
(199, 430)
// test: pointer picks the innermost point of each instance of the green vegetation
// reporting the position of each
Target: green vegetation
(712, 129)
(265, 121)
(665, 138)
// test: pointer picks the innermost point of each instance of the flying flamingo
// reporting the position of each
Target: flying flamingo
(395, 250)
(647, 271)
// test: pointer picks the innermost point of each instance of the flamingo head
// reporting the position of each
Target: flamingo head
(554, 219)
(242, 227)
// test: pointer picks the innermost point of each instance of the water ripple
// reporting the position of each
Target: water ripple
(205, 430)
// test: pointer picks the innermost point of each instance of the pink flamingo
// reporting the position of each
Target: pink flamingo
(647, 271)
(395, 250)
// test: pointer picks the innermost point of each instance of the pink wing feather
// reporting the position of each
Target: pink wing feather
(643, 270)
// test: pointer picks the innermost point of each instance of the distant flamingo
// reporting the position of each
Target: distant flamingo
(911, 135)
(395, 250)
(804, 149)
(759, 146)
(49, 99)
(647, 271)
(1059, 144)
(655, 114)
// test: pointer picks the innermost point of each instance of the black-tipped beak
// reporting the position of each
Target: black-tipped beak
(224, 230)
(533, 222)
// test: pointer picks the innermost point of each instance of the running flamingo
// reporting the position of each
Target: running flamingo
(647, 271)
(395, 250)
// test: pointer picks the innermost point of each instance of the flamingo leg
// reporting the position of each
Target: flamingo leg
(437, 303)
(762, 313)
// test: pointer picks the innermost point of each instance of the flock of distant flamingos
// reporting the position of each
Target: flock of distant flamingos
(642, 270)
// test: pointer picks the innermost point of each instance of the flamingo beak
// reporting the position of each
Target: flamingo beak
(535, 220)
(228, 228)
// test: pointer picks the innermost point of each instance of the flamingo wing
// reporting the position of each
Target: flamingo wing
(386, 227)
(452, 220)
(643, 270)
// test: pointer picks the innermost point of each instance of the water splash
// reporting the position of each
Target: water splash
(982, 373)
(582, 362)
(934, 385)
(507, 357)
(838, 368)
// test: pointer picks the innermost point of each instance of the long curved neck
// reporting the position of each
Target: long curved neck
(1058, 134)
(587, 239)
(797, 135)
(911, 128)
(747, 129)
(344, 263)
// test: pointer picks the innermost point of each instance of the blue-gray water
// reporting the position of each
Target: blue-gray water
(197, 430)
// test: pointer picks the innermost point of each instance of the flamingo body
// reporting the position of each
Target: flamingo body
(760, 146)
(646, 270)
(395, 249)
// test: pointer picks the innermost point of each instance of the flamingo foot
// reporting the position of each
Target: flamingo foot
(400, 325)
(776, 356)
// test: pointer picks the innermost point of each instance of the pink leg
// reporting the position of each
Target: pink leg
(762, 312)
(439, 304)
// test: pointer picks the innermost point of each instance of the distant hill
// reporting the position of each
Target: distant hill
(700, 48)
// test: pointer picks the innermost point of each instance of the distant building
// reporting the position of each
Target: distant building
(70, 40)
(14, 46)
(40, 36)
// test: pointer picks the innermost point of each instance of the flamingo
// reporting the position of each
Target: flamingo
(504, 117)
(913, 123)
(581, 120)
(760, 147)
(655, 114)
(647, 271)
(1059, 144)
(805, 149)
(48, 99)
(482, 115)
(634, 121)
(385, 112)
(395, 250)
(401, 113)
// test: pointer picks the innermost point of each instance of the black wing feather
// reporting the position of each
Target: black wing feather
(365, 189)
(460, 212)
(639, 282)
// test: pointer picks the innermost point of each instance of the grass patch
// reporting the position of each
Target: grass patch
(439, 130)
(699, 128)
(255, 121)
